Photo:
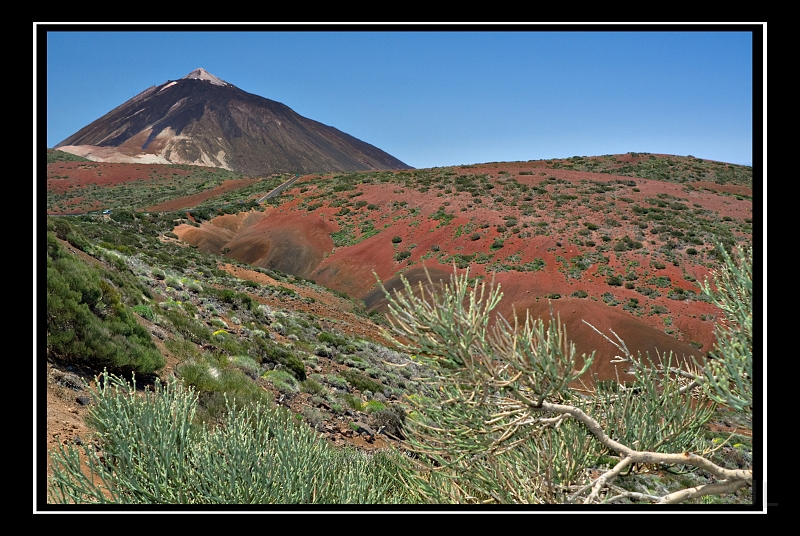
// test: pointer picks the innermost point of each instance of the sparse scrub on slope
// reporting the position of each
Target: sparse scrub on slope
(152, 453)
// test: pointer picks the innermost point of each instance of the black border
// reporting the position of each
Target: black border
(757, 30)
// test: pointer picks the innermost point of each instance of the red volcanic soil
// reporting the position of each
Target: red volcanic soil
(294, 243)
(63, 176)
(640, 339)
(296, 238)
(522, 292)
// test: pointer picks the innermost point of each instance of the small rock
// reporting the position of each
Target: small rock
(68, 380)
(363, 429)
(83, 400)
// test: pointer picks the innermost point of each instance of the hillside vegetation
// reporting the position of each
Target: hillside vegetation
(169, 288)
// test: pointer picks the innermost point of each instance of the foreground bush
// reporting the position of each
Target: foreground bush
(507, 427)
(152, 453)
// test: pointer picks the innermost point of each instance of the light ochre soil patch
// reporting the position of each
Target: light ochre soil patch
(112, 155)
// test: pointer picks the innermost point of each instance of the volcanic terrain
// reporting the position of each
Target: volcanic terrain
(614, 250)
(620, 242)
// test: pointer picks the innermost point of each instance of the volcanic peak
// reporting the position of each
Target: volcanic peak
(202, 74)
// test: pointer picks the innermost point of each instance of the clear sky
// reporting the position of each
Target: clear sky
(441, 97)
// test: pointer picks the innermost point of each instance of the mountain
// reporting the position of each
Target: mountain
(201, 119)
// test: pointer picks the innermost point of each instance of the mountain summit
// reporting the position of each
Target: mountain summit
(202, 74)
(203, 120)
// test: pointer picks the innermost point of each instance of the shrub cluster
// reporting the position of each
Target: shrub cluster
(87, 321)
(153, 453)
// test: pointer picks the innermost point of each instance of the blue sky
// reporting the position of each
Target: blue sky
(440, 98)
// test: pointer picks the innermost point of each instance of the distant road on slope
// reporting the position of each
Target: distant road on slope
(279, 189)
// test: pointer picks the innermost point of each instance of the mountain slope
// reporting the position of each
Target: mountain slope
(202, 120)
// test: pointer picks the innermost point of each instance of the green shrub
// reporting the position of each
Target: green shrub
(322, 350)
(197, 375)
(331, 339)
(312, 386)
(283, 381)
(374, 406)
(353, 401)
(87, 322)
(661, 281)
(185, 326)
(246, 364)
(295, 366)
(153, 454)
(144, 311)
(361, 382)
(335, 380)
(65, 231)
(181, 348)
(390, 421)
(397, 239)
